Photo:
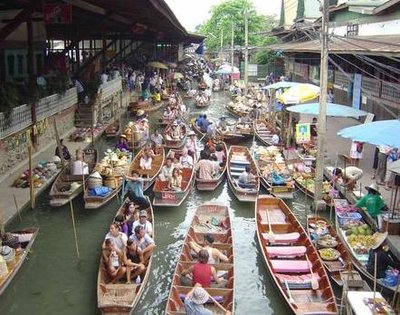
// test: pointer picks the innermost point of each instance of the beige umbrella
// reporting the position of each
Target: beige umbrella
(157, 64)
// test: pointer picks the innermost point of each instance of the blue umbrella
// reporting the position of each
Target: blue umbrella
(227, 70)
(383, 132)
(332, 109)
(280, 85)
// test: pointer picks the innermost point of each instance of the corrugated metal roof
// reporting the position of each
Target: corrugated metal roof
(365, 45)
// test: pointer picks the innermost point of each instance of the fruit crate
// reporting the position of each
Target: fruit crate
(344, 217)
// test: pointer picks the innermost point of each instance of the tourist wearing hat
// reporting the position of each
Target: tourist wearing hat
(148, 228)
(383, 255)
(122, 144)
(373, 202)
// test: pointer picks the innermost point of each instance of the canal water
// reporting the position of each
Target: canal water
(54, 281)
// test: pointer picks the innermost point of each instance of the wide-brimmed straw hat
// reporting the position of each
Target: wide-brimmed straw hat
(373, 186)
(199, 296)
(379, 239)
(123, 136)
(191, 133)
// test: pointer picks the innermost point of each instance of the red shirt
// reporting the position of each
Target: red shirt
(202, 274)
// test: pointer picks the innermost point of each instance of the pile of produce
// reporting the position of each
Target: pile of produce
(353, 227)
(309, 183)
(40, 174)
(329, 254)
(361, 244)
(115, 163)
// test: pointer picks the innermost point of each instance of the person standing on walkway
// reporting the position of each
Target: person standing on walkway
(382, 161)
(356, 150)
(375, 162)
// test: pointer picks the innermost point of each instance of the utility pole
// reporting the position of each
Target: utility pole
(232, 39)
(246, 51)
(321, 126)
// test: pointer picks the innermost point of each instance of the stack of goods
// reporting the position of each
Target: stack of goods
(40, 174)
(138, 131)
(239, 108)
(81, 134)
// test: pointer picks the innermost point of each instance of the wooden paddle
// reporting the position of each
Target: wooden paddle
(314, 281)
(271, 236)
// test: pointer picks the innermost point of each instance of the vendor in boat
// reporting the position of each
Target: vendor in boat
(166, 170)
(134, 187)
(191, 144)
(255, 113)
(143, 241)
(79, 167)
(113, 260)
(134, 261)
(148, 227)
(348, 176)
(119, 239)
(175, 182)
(122, 144)
(64, 150)
(202, 273)
(186, 160)
(384, 257)
(247, 179)
(215, 255)
(374, 204)
(199, 120)
(205, 167)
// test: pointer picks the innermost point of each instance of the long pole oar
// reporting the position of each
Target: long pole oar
(74, 228)
(314, 281)
(217, 303)
(291, 300)
(16, 207)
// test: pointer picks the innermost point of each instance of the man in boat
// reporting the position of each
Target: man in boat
(204, 124)
(215, 255)
(79, 167)
(166, 170)
(113, 260)
(148, 228)
(222, 125)
(247, 179)
(157, 140)
(205, 167)
(122, 144)
(384, 257)
(134, 187)
(134, 261)
(374, 204)
(195, 300)
(202, 273)
(186, 160)
(348, 176)
(64, 150)
(143, 241)
(255, 113)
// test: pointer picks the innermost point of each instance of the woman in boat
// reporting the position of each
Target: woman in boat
(220, 154)
(384, 257)
(134, 186)
(145, 161)
(143, 241)
(166, 170)
(122, 144)
(186, 160)
(114, 261)
(134, 261)
(191, 144)
(120, 220)
(202, 273)
(119, 239)
(374, 204)
(175, 182)
(215, 255)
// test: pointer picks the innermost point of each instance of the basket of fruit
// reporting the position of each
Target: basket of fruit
(329, 254)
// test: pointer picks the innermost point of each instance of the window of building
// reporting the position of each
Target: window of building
(10, 65)
(20, 64)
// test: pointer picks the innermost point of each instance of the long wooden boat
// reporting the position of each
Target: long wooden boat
(196, 128)
(264, 131)
(238, 158)
(211, 184)
(271, 164)
(289, 256)
(121, 298)
(357, 246)
(62, 190)
(201, 103)
(114, 183)
(112, 130)
(175, 143)
(223, 241)
(149, 176)
(173, 198)
(237, 113)
(324, 235)
(26, 238)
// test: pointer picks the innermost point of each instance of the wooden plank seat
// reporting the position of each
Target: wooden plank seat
(290, 266)
(284, 238)
(286, 251)
(297, 281)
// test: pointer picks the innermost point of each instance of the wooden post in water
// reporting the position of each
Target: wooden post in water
(74, 228)
(16, 207)
(58, 143)
(31, 189)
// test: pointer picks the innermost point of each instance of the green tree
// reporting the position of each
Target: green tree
(231, 12)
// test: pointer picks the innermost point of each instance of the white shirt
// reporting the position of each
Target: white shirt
(148, 228)
(104, 78)
(119, 241)
(186, 161)
(80, 168)
(145, 164)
